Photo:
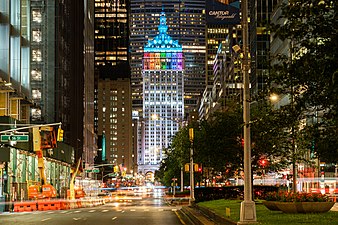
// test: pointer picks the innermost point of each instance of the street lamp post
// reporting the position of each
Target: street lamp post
(192, 182)
(248, 208)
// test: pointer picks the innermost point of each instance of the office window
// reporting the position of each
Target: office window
(37, 36)
(36, 94)
(36, 55)
(36, 75)
(37, 16)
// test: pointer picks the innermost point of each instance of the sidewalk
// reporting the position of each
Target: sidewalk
(335, 207)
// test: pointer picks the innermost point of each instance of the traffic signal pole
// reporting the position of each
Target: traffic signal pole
(38, 145)
(25, 126)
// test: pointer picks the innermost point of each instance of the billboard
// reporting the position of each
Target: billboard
(223, 12)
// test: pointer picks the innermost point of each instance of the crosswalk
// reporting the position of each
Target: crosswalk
(103, 210)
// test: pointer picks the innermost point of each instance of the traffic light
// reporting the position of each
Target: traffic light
(263, 162)
(196, 167)
(60, 134)
(116, 169)
(36, 139)
(191, 134)
(186, 167)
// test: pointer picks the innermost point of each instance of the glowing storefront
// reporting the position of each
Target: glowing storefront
(163, 102)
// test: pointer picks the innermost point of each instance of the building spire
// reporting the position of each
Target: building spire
(162, 28)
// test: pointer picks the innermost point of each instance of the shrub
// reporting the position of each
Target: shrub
(284, 196)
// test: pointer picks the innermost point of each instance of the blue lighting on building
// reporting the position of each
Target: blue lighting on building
(163, 53)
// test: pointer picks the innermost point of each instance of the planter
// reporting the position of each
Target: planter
(304, 207)
(271, 205)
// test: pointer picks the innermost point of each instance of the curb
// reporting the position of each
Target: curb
(214, 217)
(198, 215)
(192, 216)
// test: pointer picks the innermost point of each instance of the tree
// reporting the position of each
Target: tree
(308, 75)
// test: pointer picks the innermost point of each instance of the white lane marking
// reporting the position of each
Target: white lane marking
(46, 219)
(77, 211)
(92, 211)
(174, 210)
(122, 211)
(133, 210)
(64, 212)
(105, 210)
(160, 210)
(50, 212)
(76, 218)
(114, 218)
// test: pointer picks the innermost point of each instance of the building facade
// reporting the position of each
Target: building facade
(27, 67)
(163, 93)
(260, 15)
(74, 82)
(223, 79)
(186, 23)
(112, 38)
(114, 114)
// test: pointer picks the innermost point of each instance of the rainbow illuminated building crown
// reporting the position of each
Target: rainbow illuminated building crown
(163, 53)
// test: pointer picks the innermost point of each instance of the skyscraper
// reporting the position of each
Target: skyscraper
(163, 92)
(43, 61)
(114, 114)
(112, 89)
(112, 38)
(62, 70)
(186, 23)
(260, 16)
(75, 75)
(46, 70)
(223, 80)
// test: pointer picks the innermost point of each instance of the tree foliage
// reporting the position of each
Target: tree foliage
(308, 73)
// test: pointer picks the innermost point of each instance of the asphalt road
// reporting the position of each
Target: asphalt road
(142, 211)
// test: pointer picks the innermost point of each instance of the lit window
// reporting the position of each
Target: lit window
(36, 55)
(37, 36)
(36, 113)
(36, 94)
(37, 16)
(36, 75)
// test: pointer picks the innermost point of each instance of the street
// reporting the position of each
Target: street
(145, 211)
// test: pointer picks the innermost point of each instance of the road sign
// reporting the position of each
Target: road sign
(93, 171)
(18, 138)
